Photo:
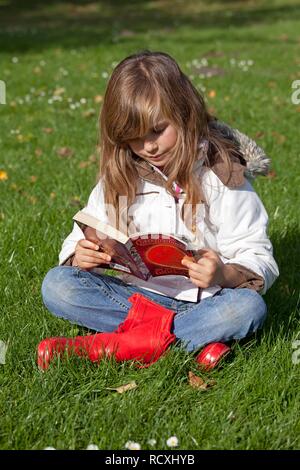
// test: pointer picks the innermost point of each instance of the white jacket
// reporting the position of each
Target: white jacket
(233, 223)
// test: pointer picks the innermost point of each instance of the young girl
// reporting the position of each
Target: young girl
(167, 166)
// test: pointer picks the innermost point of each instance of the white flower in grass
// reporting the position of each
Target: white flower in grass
(49, 448)
(152, 442)
(130, 445)
(82, 100)
(92, 447)
(172, 441)
(15, 60)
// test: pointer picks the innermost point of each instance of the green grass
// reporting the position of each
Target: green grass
(74, 45)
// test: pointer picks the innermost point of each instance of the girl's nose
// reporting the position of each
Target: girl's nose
(150, 146)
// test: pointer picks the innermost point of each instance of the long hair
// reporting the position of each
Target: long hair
(144, 88)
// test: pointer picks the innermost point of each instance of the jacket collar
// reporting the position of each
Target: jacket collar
(149, 173)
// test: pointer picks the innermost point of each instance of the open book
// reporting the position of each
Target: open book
(143, 255)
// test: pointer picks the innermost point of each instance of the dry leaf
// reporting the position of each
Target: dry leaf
(280, 139)
(271, 174)
(89, 113)
(38, 152)
(123, 388)
(52, 195)
(59, 91)
(84, 164)
(259, 134)
(65, 152)
(48, 130)
(98, 98)
(33, 178)
(196, 382)
(93, 158)
(212, 93)
(75, 201)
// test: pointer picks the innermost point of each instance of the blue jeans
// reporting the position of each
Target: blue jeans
(100, 302)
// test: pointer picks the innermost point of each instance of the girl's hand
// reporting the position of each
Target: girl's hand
(87, 255)
(208, 271)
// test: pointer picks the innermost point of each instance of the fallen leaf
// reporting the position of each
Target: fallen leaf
(271, 174)
(48, 130)
(259, 134)
(280, 139)
(33, 178)
(52, 195)
(75, 201)
(84, 164)
(212, 93)
(38, 152)
(197, 382)
(194, 380)
(59, 91)
(65, 152)
(89, 113)
(98, 99)
(31, 199)
(93, 158)
(283, 37)
(123, 388)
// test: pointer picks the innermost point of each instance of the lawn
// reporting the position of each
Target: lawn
(55, 60)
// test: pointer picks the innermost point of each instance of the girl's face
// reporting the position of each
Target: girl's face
(157, 146)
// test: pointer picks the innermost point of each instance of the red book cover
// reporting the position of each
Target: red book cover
(142, 255)
(162, 254)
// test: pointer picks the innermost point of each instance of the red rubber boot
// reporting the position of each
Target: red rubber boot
(143, 336)
(211, 355)
(146, 333)
(91, 346)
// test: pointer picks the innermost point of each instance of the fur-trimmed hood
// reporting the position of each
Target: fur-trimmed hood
(257, 162)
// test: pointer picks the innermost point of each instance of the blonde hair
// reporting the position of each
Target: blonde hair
(144, 88)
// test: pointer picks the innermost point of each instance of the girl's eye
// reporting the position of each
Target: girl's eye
(158, 131)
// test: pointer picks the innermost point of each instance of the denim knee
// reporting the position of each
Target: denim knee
(252, 310)
(55, 285)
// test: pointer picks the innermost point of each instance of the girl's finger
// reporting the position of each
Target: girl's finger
(88, 244)
(92, 259)
(94, 254)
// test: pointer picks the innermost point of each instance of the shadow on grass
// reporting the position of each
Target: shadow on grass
(283, 298)
(36, 25)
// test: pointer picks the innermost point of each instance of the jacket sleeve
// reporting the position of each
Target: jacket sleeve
(95, 207)
(241, 224)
